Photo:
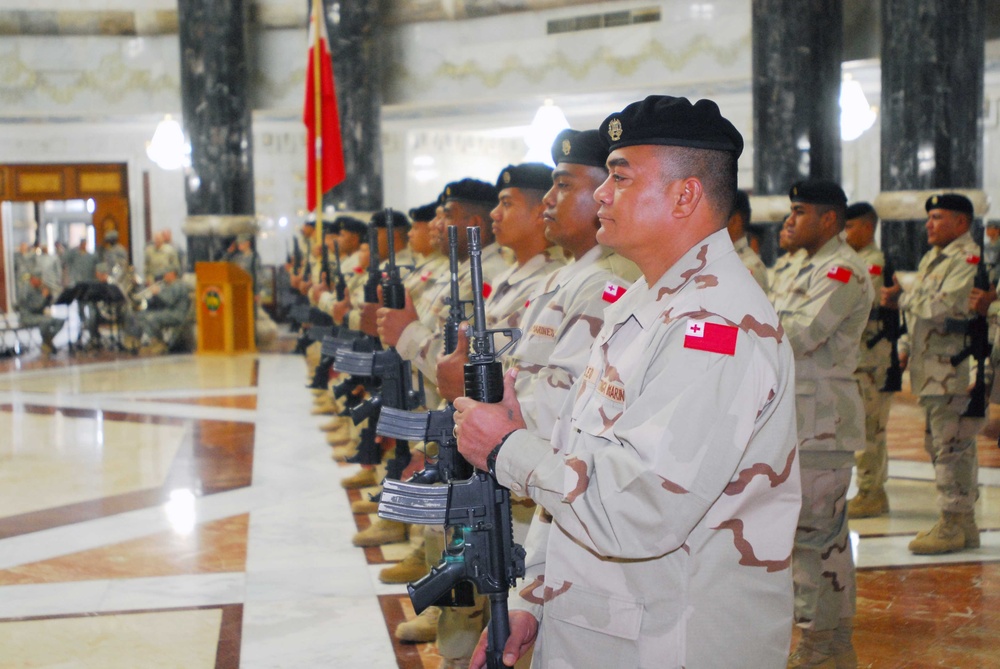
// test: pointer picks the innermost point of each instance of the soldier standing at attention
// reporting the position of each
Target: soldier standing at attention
(873, 462)
(823, 313)
(737, 225)
(940, 292)
(671, 474)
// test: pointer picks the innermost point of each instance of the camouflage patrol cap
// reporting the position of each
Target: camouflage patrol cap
(859, 209)
(580, 147)
(111, 236)
(817, 191)
(399, 220)
(471, 190)
(424, 213)
(951, 202)
(101, 268)
(668, 121)
(351, 224)
(244, 237)
(537, 176)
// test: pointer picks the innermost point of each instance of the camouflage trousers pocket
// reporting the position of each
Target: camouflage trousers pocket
(584, 628)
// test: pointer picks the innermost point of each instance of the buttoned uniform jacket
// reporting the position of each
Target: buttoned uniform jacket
(782, 273)
(876, 358)
(823, 313)
(752, 262)
(422, 342)
(672, 481)
(939, 291)
(559, 326)
(511, 291)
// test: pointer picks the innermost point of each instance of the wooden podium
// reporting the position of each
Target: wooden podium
(225, 308)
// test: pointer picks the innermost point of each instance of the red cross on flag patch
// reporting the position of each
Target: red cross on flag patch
(841, 274)
(972, 259)
(711, 337)
(875, 270)
(612, 292)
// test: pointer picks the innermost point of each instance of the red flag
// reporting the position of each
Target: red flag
(712, 337)
(841, 274)
(323, 144)
(613, 292)
(875, 270)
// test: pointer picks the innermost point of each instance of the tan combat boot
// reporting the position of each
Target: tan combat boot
(365, 506)
(868, 504)
(336, 424)
(842, 646)
(341, 453)
(422, 629)
(343, 438)
(409, 569)
(381, 532)
(947, 536)
(813, 651)
(365, 478)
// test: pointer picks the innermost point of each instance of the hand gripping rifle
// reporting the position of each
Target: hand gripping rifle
(392, 374)
(977, 344)
(481, 548)
(891, 328)
(436, 426)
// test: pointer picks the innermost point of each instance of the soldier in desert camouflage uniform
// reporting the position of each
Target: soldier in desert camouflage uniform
(940, 292)
(671, 476)
(784, 270)
(823, 313)
(873, 362)
(738, 221)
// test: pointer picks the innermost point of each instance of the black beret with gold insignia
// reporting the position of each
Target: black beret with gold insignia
(351, 224)
(580, 147)
(471, 190)
(670, 121)
(951, 202)
(526, 175)
(817, 191)
(424, 213)
(859, 209)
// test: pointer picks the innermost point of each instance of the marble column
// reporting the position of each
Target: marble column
(932, 100)
(797, 53)
(215, 97)
(358, 47)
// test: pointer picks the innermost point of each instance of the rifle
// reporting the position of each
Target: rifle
(394, 375)
(324, 267)
(976, 344)
(482, 549)
(339, 283)
(890, 327)
(436, 426)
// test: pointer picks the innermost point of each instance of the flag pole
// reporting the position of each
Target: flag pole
(317, 146)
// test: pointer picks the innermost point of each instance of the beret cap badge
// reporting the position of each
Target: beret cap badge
(567, 148)
(615, 129)
(506, 177)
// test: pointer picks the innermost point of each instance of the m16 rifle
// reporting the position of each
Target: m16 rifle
(436, 426)
(481, 550)
(891, 328)
(391, 377)
(976, 344)
(339, 282)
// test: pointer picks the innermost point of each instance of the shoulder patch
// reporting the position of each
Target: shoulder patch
(711, 337)
(487, 290)
(613, 292)
(841, 274)
(875, 270)
(972, 259)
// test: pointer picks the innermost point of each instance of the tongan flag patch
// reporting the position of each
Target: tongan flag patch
(875, 270)
(711, 337)
(612, 292)
(841, 274)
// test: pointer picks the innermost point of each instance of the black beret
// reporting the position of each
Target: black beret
(526, 175)
(471, 190)
(310, 220)
(859, 209)
(670, 121)
(817, 191)
(424, 213)
(399, 220)
(951, 202)
(331, 227)
(741, 205)
(580, 147)
(351, 224)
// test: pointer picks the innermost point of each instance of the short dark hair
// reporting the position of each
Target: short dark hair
(716, 170)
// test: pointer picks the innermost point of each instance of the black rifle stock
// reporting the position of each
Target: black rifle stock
(891, 329)
(481, 549)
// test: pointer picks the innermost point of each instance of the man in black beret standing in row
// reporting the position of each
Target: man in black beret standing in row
(671, 475)
(941, 292)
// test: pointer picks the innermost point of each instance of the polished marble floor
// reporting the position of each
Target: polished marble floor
(184, 511)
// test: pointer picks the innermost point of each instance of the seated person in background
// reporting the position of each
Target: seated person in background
(171, 310)
(33, 311)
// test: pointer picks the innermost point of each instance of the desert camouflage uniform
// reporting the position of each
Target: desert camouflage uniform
(159, 261)
(421, 278)
(752, 262)
(672, 480)
(941, 291)
(782, 274)
(873, 462)
(823, 312)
